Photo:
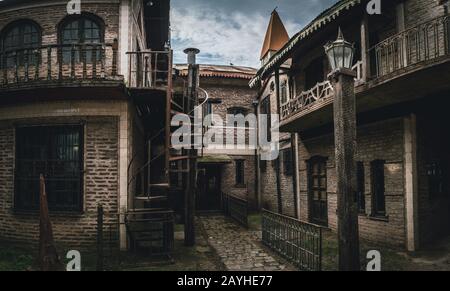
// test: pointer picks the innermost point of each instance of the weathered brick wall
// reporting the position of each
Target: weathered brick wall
(100, 185)
(269, 188)
(382, 140)
(418, 11)
(228, 179)
(234, 93)
(48, 18)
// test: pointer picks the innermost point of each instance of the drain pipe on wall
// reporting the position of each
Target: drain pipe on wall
(257, 165)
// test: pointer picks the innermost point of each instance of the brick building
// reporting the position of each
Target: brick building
(73, 89)
(222, 170)
(402, 64)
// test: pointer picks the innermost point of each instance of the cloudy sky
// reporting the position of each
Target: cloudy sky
(232, 31)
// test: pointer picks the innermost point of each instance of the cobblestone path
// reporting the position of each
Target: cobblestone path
(239, 249)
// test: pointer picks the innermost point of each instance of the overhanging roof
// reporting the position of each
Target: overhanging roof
(323, 19)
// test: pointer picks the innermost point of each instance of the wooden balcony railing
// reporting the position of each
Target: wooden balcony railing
(28, 66)
(149, 69)
(321, 92)
(428, 41)
(307, 99)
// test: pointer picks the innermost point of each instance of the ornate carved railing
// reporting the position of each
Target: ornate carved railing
(58, 62)
(425, 42)
(236, 208)
(298, 242)
(149, 69)
(306, 99)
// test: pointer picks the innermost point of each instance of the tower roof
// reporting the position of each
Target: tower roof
(276, 35)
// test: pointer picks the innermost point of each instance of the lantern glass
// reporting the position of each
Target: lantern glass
(340, 53)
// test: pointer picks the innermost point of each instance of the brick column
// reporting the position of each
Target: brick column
(345, 145)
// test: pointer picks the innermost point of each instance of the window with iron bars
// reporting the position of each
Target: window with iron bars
(57, 153)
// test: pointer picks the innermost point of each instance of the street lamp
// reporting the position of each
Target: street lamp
(340, 54)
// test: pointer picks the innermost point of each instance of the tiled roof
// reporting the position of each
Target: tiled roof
(220, 71)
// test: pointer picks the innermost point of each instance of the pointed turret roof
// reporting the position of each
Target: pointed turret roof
(276, 35)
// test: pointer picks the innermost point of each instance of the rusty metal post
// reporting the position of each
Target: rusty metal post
(48, 256)
(100, 257)
(193, 80)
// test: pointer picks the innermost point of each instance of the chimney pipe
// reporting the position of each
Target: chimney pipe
(191, 55)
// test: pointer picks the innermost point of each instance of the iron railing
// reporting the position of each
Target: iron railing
(108, 248)
(58, 62)
(151, 231)
(298, 242)
(235, 208)
(425, 42)
(149, 69)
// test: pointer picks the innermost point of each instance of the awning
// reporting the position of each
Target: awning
(215, 159)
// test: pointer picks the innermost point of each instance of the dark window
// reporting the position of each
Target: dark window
(284, 92)
(287, 162)
(81, 30)
(360, 187)
(240, 173)
(378, 188)
(436, 173)
(21, 38)
(55, 152)
(265, 109)
(263, 166)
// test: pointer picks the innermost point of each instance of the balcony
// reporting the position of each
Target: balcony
(409, 65)
(413, 48)
(149, 69)
(50, 66)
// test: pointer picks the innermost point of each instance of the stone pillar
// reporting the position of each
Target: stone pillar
(345, 145)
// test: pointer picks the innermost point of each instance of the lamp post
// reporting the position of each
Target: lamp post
(340, 54)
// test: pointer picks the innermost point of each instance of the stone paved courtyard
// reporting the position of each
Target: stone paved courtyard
(239, 249)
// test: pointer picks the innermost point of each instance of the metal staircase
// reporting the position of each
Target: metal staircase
(160, 182)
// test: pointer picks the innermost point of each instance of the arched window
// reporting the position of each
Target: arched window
(237, 111)
(81, 29)
(18, 39)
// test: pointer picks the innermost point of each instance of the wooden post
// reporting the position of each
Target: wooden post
(345, 147)
(277, 162)
(48, 256)
(100, 256)
(365, 45)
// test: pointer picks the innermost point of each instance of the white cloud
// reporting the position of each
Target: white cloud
(222, 38)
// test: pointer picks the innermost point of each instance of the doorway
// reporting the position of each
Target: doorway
(209, 188)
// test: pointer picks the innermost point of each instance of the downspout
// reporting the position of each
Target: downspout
(257, 163)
